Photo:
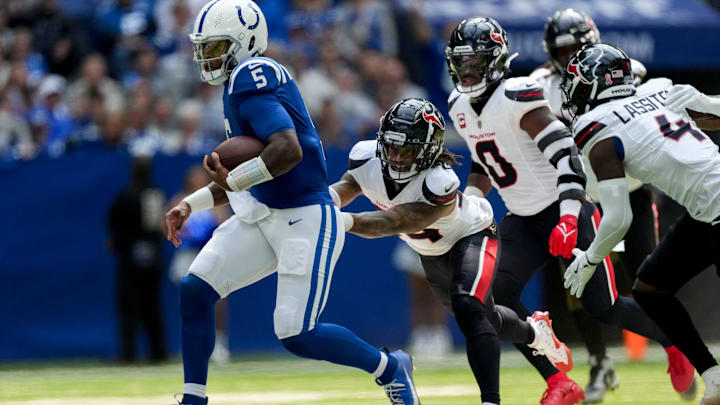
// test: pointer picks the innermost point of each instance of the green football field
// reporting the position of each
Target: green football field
(287, 380)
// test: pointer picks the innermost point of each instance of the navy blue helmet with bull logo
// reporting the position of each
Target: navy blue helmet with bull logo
(595, 74)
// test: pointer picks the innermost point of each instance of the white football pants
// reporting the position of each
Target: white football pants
(302, 244)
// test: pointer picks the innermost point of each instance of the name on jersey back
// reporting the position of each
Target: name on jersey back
(641, 106)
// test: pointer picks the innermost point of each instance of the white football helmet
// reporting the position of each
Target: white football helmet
(225, 33)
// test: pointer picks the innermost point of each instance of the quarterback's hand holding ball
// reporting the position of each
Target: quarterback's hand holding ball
(579, 273)
(217, 172)
(564, 237)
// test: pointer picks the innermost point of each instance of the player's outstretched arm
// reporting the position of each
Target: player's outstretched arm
(404, 218)
(556, 143)
(614, 198)
(205, 198)
(703, 109)
(617, 215)
(347, 189)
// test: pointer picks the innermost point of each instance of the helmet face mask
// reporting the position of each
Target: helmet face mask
(477, 55)
(410, 139)
(595, 74)
(212, 58)
(225, 33)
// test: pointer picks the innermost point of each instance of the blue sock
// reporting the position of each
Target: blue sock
(197, 310)
(339, 345)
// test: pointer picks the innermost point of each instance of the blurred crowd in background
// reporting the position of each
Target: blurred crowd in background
(120, 72)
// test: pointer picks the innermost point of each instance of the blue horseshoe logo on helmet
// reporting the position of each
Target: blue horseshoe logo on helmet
(242, 20)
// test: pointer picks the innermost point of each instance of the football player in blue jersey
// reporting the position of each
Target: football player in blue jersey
(286, 222)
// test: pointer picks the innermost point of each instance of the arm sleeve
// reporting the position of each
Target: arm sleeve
(556, 143)
(265, 115)
(617, 217)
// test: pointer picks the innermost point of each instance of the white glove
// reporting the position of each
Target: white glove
(684, 96)
(579, 273)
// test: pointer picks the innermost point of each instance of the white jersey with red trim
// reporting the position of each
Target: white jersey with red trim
(435, 186)
(658, 146)
(523, 176)
(554, 95)
(550, 83)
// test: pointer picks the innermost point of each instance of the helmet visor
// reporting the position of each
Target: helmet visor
(470, 68)
(398, 154)
(210, 55)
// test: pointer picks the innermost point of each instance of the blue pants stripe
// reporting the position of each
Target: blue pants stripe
(315, 269)
(328, 260)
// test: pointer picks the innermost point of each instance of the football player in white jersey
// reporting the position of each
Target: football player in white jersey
(406, 174)
(519, 147)
(627, 130)
(565, 32)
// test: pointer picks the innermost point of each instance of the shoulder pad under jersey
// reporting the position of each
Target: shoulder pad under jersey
(523, 89)
(454, 96)
(440, 185)
(361, 153)
(257, 74)
(587, 128)
(654, 85)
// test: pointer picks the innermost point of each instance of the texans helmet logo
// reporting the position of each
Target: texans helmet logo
(575, 69)
(432, 118)
(587, 67)
(496, 37)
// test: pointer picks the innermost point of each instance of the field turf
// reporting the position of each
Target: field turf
(285, 380)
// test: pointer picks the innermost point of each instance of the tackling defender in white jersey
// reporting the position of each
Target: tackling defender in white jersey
(406, 174)
(519, 147)
(623, 129)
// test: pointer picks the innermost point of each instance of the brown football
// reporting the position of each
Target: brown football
(238, 149)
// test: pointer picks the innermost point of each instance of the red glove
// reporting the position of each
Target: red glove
(564, 237)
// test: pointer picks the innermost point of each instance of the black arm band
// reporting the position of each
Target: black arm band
(572, 194)
(559, 155)
(552, 137)
(571, 178)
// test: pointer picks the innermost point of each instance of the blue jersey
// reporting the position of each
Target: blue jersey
(261, 99)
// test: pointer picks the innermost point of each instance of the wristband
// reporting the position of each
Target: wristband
(248, 174)
(201, 199)
(570, 207)
(348, 220)
(335, 197)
